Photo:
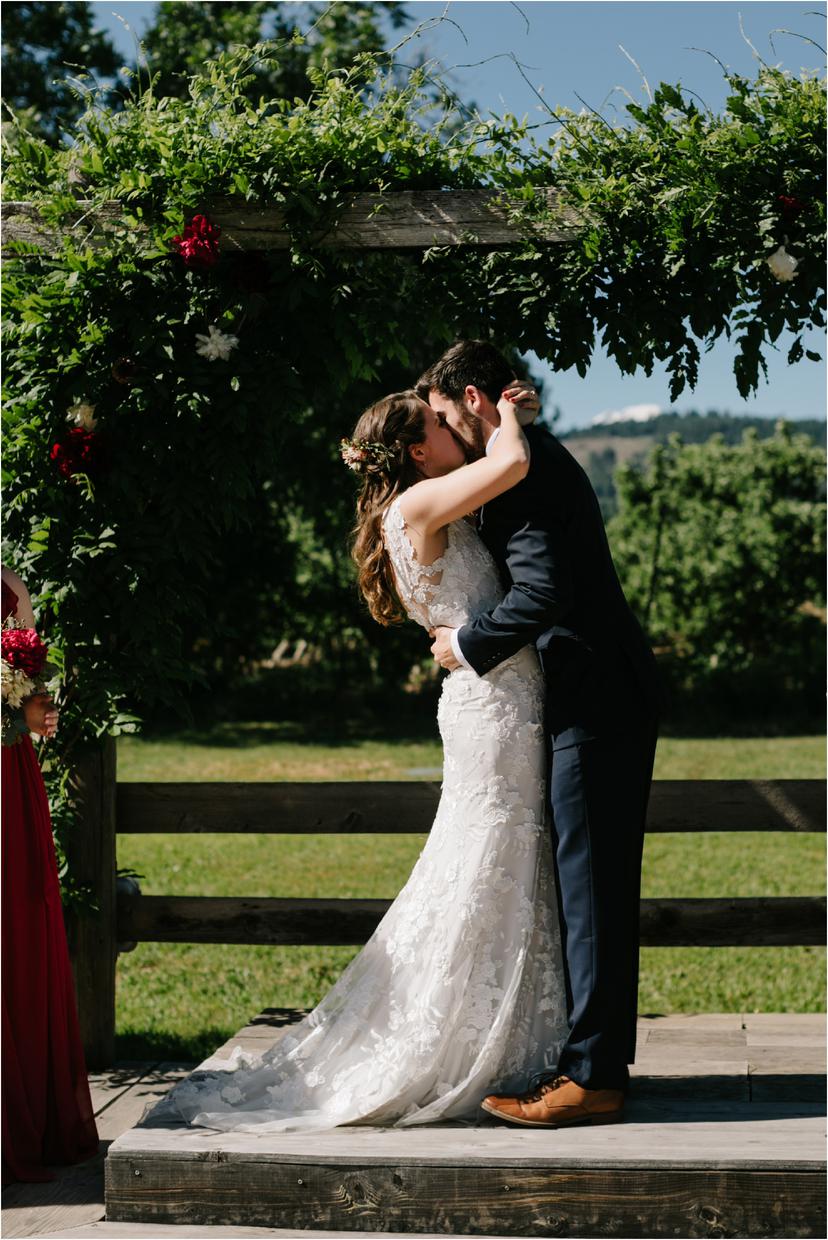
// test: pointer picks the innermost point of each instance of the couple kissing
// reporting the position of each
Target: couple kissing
(505, 973)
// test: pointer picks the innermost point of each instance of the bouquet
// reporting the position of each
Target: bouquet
(25, 671)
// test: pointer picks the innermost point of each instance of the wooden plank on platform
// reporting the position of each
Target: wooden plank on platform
(129, 1109)
(516, 1201)
(183, 1231)
(675, 1134)
(397, 807)
(395, 220)
(263, 1032)
(756, 921)
(106, 1087)
(75, 1198)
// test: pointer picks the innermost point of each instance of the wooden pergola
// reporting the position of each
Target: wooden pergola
(403, 220)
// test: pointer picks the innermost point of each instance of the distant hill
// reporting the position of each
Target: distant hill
(601, 449)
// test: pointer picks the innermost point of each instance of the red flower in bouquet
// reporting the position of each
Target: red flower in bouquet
(24, 651)
(78, 452)
(198, 244)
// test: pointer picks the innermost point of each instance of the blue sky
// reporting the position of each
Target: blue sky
(572, 48)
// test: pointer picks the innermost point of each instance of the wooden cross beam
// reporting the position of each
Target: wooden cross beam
(401, 220)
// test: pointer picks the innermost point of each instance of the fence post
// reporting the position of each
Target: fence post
(91, 857)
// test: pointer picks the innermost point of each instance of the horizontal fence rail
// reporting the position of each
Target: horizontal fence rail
(397, 220)
(399, 807)
(756, 922)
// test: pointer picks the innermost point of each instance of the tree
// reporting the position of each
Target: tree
(184, 37)
(721, 550)
(44, 45)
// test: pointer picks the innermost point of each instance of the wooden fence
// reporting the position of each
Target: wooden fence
(377, 808)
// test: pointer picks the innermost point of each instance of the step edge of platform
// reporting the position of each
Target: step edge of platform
(534, 1163)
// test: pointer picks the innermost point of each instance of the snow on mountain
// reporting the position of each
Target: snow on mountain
(630, 413)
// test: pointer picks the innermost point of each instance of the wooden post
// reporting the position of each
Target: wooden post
(91, 856)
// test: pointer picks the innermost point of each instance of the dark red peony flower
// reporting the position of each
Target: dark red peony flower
(790, 206)
(24, 651)
(198, 245)
(78, 452)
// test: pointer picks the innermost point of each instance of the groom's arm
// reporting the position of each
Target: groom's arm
(541, 591)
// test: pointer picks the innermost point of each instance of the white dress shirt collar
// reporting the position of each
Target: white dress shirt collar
(490, 443)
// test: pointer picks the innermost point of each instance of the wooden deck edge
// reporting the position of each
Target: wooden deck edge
(516, 1201)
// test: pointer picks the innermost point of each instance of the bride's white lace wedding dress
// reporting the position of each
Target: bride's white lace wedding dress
(460, 990)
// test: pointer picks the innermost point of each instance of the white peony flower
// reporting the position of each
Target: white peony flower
(15, 685)
(782, 264)
(82, 414)
(215, 345)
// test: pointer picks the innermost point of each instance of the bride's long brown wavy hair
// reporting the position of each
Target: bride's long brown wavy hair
(396, 421)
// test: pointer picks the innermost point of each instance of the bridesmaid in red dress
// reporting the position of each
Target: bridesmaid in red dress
(47, 1111)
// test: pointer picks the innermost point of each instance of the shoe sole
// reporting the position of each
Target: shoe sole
(611, 1117)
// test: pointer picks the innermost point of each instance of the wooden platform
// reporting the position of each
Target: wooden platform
(724, 1136)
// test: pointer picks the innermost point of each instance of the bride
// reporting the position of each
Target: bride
(460, 991)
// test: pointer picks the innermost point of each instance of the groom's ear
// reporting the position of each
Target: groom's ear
(474, 397)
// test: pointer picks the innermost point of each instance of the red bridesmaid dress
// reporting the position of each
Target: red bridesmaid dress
(47, 1111)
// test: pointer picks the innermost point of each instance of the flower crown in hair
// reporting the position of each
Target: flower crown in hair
(358, 454)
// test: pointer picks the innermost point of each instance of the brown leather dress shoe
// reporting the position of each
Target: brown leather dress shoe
(558, 1103)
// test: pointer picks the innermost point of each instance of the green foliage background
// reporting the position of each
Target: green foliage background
(722, 552)
(219, 523)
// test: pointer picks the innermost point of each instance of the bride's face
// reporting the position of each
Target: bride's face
(440, 452)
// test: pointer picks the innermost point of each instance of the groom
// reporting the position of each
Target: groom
(547, 538)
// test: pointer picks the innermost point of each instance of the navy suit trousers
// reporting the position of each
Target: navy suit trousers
(598, 791)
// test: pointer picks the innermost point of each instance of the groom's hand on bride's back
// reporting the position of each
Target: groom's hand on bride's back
(442, 649)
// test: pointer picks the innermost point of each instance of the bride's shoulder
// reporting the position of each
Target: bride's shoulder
(393, 515)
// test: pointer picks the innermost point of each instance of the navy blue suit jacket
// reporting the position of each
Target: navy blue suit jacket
(563, 594)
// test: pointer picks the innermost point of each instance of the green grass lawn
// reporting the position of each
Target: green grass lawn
(182, 1000)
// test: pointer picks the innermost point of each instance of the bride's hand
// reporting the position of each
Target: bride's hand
(524, 397)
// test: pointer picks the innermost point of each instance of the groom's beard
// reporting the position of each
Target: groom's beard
(470, 435)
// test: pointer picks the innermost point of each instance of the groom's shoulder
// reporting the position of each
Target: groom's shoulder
(547, 452)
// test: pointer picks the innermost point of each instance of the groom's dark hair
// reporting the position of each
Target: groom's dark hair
(474, 363)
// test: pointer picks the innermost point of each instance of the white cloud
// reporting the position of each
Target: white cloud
(630, 413)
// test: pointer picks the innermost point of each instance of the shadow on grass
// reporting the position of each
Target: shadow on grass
(325, 730)
(166, 1047)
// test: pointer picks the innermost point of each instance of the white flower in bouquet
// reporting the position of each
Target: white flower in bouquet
(782, 264)
(216, 345)
(82, 414)
(15, 685)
